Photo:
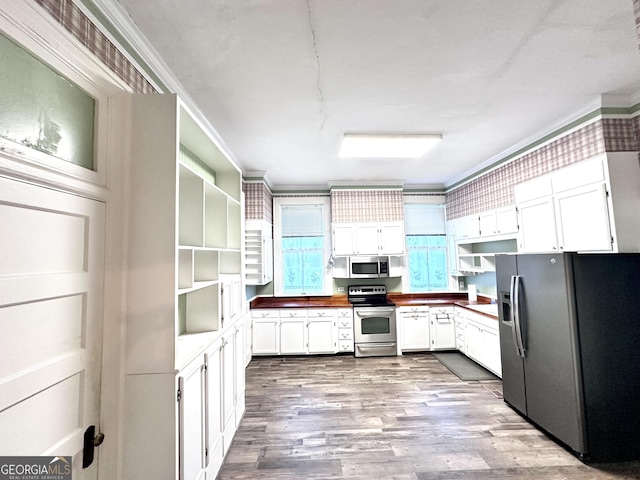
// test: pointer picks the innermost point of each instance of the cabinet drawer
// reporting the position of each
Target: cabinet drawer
(345, 334)
(321, 313)
(265, 313)
(345, 313)
(345, 323)
(441, 311)
(345, 346)
(460, 345)
(293, 313)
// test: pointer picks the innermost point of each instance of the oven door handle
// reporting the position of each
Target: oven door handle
(372, 346)
(375, 311)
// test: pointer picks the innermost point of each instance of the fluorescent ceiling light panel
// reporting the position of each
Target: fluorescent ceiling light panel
(357, 145)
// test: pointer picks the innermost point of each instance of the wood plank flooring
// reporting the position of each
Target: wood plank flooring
(396, 418)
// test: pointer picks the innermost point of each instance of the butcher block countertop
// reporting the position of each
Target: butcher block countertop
(334, 301)
(482, 305)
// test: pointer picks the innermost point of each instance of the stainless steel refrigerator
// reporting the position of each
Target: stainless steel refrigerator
(570, 348)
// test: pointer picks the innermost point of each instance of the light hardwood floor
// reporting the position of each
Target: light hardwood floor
(340, 417)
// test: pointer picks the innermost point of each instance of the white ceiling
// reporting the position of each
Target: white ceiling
(282, 80)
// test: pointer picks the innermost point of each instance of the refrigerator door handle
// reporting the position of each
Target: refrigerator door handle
(517, 325)
(512, 312)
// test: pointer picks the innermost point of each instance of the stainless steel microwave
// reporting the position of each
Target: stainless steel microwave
(369, 267)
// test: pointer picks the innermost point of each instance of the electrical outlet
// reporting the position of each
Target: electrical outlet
(461, 285)
(340, 289)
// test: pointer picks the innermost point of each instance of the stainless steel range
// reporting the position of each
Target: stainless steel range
(374, 321)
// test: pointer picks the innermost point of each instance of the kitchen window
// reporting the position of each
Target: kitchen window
(302, 246)
(426, 248)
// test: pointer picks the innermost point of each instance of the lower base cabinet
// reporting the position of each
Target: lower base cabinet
(443, 332)
(300, 331)
(479, 337)
(180, 425)
(425, 328)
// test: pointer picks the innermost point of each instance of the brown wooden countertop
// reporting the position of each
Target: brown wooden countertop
(334, 301)
(484, 308)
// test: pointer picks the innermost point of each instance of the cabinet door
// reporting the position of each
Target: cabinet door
(472, 226)
(192, 421)
(392, 241)
(537, 226)
(488, 224)
(228, 388)
(322, 335)
(214, 446)
(239, 363)
(491, 356)
(415, 331)
(343, 239)
(266, 336)
(443, 333)
(293, 336)
(507, 220)
(473, 341)
(367, 240)
(583, 219)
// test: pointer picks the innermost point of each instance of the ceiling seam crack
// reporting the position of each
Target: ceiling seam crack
(323, 115)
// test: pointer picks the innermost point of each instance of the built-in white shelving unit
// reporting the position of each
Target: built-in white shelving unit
(185, 325)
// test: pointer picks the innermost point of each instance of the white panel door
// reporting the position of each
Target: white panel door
(51, 303)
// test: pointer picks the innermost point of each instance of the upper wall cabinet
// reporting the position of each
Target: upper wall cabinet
(501, 221)
(368, 238)
(591, 206)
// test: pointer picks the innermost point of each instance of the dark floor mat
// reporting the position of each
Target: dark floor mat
(464, 368)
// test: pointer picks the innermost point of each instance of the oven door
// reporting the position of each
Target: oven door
(374, 324)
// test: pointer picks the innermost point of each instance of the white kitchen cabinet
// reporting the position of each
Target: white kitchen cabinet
(537, 220)
(300, 331)
(593, 205)
(415, 328)
(293, 336)
(345, 330)
(507, 220)
(240, 365)
(266, 331)
(442, 328)
(322, 335)
(191, 384)
(481, 338)
(392, 238)
(231, 303)
(343, 239)
(583, 219)
(214, 385)
(228, 388)
(473, 340)
(184, 224)
(258, 252)
(499, 221)
(460, 327)
(368, 238)
(488, 223)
